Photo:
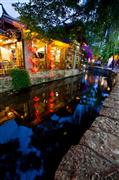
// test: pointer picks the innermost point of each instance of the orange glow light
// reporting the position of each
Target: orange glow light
(51, 105)
(51, 100)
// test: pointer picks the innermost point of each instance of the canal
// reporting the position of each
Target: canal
(39, 125)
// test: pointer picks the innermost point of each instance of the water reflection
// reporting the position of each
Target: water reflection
(38, 126)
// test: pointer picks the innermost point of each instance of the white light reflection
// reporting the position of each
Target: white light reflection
(57, 94)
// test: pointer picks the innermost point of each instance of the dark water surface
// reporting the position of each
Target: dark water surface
(37, 127)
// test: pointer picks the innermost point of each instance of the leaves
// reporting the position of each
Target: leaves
(94, 20)
(20, 78)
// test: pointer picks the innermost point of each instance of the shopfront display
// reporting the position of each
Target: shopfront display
(45, 55)
(11, 46)
(10, 54)
(56, 54)
(39, 54)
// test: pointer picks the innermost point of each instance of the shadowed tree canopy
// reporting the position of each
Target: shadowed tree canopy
(102, 17)
(94, 19)
(54, 17)
(49, 13)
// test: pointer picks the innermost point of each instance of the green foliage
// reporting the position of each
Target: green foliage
(47, 14)
(20, 79)
(103, 26)
(98, 21)
(49, 18)
(69, 31)
(106, 47)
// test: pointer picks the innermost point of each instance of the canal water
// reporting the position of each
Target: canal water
(38, 126)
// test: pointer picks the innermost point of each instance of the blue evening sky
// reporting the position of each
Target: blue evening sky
(10, 10)
(8, 6)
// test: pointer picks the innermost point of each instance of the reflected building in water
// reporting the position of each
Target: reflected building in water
(38, 127)
(46, 99)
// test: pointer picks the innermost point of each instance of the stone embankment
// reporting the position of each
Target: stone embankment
(38, 78)
(96, 157)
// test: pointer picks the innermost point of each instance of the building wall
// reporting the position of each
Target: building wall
(27, 54)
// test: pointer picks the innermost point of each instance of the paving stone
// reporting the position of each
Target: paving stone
(82, 163)
(112, 113)
(96, 157)
(115, 97)
(107, 125)
(104, 144)
(115, 90)
(111, 102)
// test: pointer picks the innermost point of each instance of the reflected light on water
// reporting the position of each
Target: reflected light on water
(47, 121)
(86, 76)
(102, 81)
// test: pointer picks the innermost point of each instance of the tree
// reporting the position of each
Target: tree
(103, 26)
(48, 13)
(96, 20)
(52, 17)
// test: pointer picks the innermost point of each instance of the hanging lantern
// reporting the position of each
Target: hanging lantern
(36, 98)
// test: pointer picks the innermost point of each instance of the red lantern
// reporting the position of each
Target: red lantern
(36, 98)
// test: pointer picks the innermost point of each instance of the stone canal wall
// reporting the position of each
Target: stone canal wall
(38, 78)
(96, 157)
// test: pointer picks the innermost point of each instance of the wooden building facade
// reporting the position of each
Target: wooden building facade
(34, 54)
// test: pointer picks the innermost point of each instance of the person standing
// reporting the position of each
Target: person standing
(113, 63)
(110, 61)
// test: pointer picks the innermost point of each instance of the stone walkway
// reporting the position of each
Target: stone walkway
(96, 157)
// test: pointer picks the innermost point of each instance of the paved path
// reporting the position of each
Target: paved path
(96, 157)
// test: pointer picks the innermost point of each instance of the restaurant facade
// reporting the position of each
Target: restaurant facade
(34, 54)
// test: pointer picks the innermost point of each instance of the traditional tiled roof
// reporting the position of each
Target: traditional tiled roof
(2, 31)
(10, 20)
